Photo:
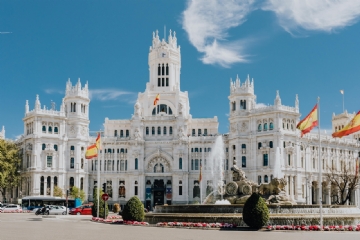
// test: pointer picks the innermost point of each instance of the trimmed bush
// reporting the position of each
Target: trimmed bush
(255, 212)
(102, 206)
(133, 210)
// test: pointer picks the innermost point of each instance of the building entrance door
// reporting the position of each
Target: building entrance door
(159, 197)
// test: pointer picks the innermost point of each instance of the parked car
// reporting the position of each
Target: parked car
(12, 208)
(82, 210)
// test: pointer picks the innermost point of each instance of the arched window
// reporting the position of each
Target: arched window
(50, 129)
(115, 133)
(42, 185)
(55, 181)
(259, 179)
(167, 69)
(271, 126)
(271, 145)
(136, 164)
(233, 105)
(72, 148)
(71, 182)
(266, 179)
(55, 147)
(170, 130)
(265, 127)
(159, 131)
(147, 131)
(159, 70)
(153, 130)
(121, 133)
(43, 146)
(74, 107)
(164, 132)
(162, 70)
(44, 128)
(56, 130)
(259, 128)
(243, 148)
(82, 163)
(81, 183)
(289, 159)
(122, 150)
(259, 145)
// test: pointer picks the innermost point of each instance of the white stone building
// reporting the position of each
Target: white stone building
(156, 154)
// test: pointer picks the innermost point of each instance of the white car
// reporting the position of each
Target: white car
(12, 208)
(57, 210)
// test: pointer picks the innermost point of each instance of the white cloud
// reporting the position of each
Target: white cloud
(207, 23)
(260, 105)
(314, 15)
(111, 94)
(51, 91)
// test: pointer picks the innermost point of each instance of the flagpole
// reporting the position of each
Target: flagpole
(98, 179)
(320, 168)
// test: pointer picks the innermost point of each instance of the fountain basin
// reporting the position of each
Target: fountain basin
(279, 214)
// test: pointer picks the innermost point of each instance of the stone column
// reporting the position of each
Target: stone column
(328, 194)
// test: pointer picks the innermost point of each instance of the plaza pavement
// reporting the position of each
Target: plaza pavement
(27, 226)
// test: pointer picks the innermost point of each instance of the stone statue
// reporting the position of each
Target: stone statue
(181, 134)
(137, 135)
(237, 173)
(137, 109)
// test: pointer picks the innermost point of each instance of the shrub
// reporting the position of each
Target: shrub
(116, 208)
(102, 206)
(133, 210)
(255, 211)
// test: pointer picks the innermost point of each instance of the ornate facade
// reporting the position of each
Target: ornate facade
(157, 153)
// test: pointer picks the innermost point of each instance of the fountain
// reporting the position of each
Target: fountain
(225, 203)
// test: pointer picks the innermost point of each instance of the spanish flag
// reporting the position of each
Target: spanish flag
(157, 98)
(92, 150)
(200, 175)
(309, 122)
(353, 126)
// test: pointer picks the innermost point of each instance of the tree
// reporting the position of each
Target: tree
(255, 211)
(77, 193)
(10, 159)
(343, 182)
(133, 210)
(102, 206)
(58, 192)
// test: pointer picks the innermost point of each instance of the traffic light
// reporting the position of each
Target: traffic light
(104, 187)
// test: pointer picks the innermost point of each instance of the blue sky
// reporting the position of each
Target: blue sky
(309, 48)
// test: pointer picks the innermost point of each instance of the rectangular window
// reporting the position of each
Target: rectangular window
(289, 159)
(193, 132)
(55, 147)
(227, 164)
(121, 133)
(180, 190)
(196, 164)
(147, 130)
(180, 163)
(159, 82)
(127, 133)
(164, 130)
(199, 132)
(170, 130)
(153, 131)
(72, 163)
(192, 164)
(162, 81)
(49, 161)
(167, 82)
(136, 164)
(159, 131)
(265, 160)
(196, 149)
(136, 190)
(243, 162)
(205, 132)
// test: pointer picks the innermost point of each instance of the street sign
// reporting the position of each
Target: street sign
(105, 197)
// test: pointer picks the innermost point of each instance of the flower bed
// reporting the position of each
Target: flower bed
(314, 227)
(195, 225)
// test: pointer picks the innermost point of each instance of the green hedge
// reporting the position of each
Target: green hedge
(255, 211)
(133, 210)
